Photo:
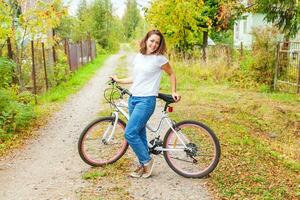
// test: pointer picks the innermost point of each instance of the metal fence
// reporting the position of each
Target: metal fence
(287, 70)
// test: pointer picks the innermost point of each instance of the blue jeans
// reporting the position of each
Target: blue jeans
(140, 111)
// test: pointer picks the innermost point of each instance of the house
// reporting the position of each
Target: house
(244, 26)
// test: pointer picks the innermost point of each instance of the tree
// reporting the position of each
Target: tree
(284, 14)
(97, 21)
(177, 22)
(6, 18)
(31, 24)
(131, 18)
(188, 23)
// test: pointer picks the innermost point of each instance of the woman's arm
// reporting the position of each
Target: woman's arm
(168, 69)
(122, 80)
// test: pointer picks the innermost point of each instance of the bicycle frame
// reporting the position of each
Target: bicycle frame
(164, 117)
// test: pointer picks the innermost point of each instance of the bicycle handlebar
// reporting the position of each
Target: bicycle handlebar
(122, 90)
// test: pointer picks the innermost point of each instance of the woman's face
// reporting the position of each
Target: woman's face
(152, 43)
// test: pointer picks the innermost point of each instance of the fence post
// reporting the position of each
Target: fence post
(81, 59)
(68, 54)
(65, 47)
(45, 69)
(242, 49)
(77, 63)
(228, 55)
(276, 66)
(33, 72)
(298, 82)
(90, 46)
(53, 47)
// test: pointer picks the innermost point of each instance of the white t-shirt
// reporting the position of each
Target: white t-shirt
(147, 74)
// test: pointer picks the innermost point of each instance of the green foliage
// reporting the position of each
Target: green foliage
(6, 20)
(16, 111)
(66, 28)
(131, 18)
(183, 22)
(76, 81)
(264, 52)
(60, 71)
(284, 14)
(222, 37)
(177, 22)
(6, 72)
(41, 18)
(23, 25)
(141, 29)
(97, 21)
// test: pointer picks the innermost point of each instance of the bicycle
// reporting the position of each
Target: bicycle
(190, 148)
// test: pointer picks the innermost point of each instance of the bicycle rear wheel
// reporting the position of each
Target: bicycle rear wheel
(200, 154)
(97, 145)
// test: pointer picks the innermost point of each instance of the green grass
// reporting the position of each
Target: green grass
(78, 79)
(50, 101)
(259, 134)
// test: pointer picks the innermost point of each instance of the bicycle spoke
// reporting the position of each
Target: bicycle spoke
(201, 149)
(94, 146)
(181, 159)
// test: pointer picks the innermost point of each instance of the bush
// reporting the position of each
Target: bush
(264, 53)
(16, 111)
(6, 72)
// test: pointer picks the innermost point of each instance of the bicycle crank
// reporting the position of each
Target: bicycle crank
(154, 144)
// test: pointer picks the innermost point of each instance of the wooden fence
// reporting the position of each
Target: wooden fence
(45, 61)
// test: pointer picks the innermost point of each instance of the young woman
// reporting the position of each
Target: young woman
(148, 66)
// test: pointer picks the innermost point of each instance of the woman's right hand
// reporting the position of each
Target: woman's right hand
(121, 80)
(115, 78)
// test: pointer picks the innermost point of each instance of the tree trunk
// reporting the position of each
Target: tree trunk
(11, 56)
(204, 45)
(9, 49)
(53, 47)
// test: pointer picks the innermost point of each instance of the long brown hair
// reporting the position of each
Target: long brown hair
(161, 50)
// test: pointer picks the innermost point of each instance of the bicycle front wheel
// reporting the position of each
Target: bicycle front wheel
(193, 151)
(102, 142)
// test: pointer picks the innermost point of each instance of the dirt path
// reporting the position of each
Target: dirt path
(49, 167)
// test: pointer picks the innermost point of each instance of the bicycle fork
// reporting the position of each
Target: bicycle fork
(109, 132)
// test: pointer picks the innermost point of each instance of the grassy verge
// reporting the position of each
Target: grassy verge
(259, 135)
(50, 101)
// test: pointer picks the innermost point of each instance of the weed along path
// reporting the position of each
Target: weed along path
(49, 167)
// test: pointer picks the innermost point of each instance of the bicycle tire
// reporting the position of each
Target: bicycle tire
(206, 136)
(92, 148)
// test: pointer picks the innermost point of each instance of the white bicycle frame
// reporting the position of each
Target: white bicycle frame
(164, 117)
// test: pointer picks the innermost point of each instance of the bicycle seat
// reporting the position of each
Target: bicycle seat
(166, 97)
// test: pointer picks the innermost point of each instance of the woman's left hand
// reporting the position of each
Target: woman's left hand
(176, 96)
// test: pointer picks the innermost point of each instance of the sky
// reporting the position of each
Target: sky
(118, 5)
